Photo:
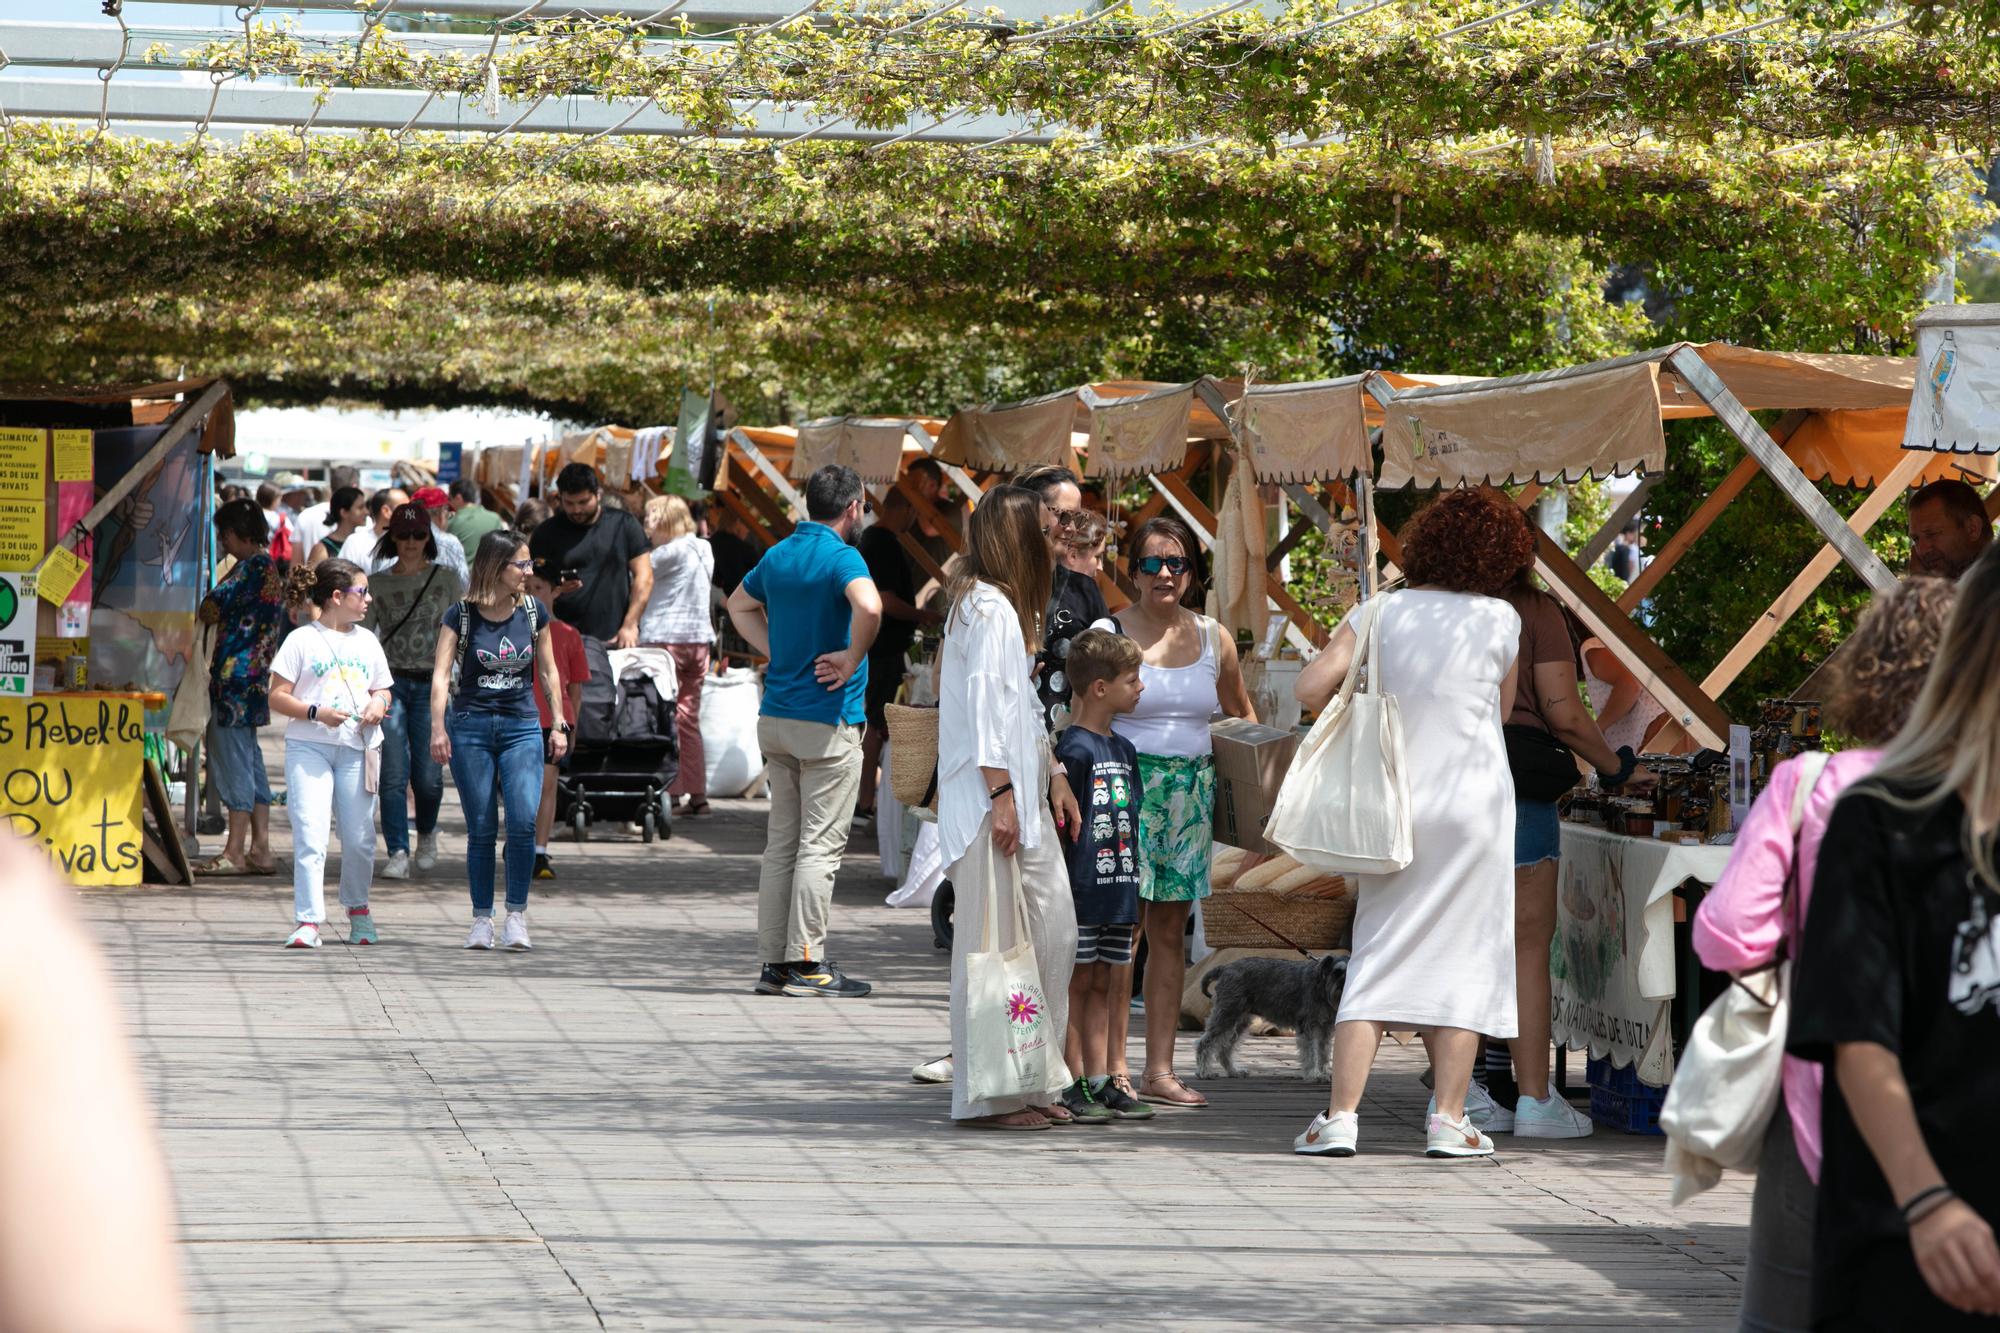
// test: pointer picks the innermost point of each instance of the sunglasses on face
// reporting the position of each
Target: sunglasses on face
(361, 594)
(523, 565)
(1172, 564)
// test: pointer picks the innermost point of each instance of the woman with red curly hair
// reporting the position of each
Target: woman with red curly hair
(1434, 942)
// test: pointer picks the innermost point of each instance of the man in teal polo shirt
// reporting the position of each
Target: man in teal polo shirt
(810, 607)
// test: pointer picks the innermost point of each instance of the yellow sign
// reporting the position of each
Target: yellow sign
(71, 779)
(59, 573)
(73, 451)
(49, 648)
(21, 452)
(20, 534)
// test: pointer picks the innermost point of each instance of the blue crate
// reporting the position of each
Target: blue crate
(1633, 1114)
(1625, 1082)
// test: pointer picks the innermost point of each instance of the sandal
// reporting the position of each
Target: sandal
(220, 865)
(1168, 1090)
(696, 808)
(1012, 1120)
(1055, 1113)
(252, 868)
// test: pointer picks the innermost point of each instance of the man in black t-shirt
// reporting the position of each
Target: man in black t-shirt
(597, 559)
(897, 578)
(735, 554)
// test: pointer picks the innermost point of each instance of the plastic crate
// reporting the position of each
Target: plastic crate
(1625, 1082)
(1636, 1114)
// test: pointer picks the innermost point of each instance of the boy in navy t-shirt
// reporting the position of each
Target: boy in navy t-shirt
(1103, 855)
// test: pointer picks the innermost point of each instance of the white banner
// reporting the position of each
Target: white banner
(1956, 407)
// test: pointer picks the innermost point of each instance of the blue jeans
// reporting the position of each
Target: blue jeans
(1537, 833)
(496, 759)
(407, 762)
(236, 767)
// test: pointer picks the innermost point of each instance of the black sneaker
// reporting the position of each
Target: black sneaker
(1124, 1107)
(771, 981)
(823, 979)
(544, 868)
(1084, 1108)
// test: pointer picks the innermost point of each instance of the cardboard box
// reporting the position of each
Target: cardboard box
(1251, 761)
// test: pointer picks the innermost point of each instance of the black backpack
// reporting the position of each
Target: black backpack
(642, 714)
(597, 708)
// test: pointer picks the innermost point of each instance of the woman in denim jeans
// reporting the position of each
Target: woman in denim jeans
(495, 735)
(410, 599)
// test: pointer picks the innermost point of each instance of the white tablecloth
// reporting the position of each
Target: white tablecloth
(1613, 961)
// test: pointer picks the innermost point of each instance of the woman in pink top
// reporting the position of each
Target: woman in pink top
(1742, 923)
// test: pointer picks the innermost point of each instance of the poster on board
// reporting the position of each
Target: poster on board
(17, 639)
(1956, 406)
(70, 781)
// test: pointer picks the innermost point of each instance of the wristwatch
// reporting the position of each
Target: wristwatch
(312, 712)
(565, 728)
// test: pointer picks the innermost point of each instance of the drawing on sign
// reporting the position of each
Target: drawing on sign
(147, 571)
(17, 641)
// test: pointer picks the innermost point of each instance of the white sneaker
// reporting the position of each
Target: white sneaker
(514, 934)
(305, 937)
(481, 934)
(1480, 1108)
(932, 1071)
(1329, 1135)
(427, 851)
(1550, 1118)
(398, 867)
(1456, 1138)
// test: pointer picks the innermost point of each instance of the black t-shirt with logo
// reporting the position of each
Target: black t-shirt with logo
(602, 554)
(1074, 604)
(1901, 948)
(1103, 774)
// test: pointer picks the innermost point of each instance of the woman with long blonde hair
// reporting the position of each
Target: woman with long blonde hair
(678, 618)
(1897, 990)
(995, 799)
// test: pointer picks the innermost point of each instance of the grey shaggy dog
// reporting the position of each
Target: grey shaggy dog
(1304, 996)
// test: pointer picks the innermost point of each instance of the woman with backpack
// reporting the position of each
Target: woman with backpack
(410, 600)
(499, 639)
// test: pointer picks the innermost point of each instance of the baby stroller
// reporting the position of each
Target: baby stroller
(626, 753)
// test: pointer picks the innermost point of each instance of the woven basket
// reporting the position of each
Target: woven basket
(913, 736)
(1257, 920)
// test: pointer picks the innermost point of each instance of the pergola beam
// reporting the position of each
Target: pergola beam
(697, 11)
(241, 103)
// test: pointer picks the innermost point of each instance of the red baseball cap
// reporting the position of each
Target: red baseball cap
(431, 497)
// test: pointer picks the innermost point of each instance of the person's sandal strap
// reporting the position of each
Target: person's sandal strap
(1173, 1092)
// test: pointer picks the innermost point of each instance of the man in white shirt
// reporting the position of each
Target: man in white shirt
(360, 548)
(315, 521)
(451, 551)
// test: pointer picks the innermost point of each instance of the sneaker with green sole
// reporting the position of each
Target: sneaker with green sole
(1084, 1106)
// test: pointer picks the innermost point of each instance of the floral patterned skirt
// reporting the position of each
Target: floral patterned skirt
(1176, 827)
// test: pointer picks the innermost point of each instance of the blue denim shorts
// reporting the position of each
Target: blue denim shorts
(236, 767)
(1537, 833)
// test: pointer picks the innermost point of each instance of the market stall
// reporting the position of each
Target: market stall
(104, 498)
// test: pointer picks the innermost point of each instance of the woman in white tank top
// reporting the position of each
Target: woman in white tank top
(1189, 672)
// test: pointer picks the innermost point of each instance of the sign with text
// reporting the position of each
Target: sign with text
(17, 639)
(21, 543)
(451, 457)
(59, 573)
(22, 451)
(72, 455)
(71, 780)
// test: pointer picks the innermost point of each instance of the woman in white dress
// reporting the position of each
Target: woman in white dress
(1434, 943)
(996, 800)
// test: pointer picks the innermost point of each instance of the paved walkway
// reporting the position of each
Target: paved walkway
(614, 1132)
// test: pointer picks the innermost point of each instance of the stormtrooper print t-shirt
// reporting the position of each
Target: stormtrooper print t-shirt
(1902, 949)
(1103, 858)
(498, 676)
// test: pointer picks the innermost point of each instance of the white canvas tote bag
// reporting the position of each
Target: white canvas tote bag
(1012, 1048)
(1726, 1087)
(1345, 804)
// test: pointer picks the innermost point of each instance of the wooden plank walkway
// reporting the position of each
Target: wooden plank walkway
(614, 1132)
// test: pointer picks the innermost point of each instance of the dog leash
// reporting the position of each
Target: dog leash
(1282, 937)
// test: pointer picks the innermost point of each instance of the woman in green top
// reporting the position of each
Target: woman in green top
(410, 599)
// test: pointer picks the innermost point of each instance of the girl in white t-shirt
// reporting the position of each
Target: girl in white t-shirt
(332, 680)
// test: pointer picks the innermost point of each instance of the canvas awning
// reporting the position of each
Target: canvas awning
(1318, 430)
(149, 404)
(1604, 419)
(872, 446)
(1138, 426)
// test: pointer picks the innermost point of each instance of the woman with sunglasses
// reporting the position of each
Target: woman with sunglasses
(499, 640)
(332, 680)
(1189, 669)
(410, 598)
